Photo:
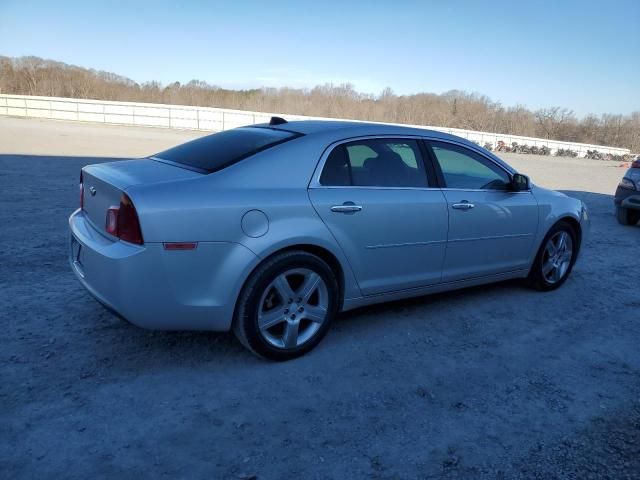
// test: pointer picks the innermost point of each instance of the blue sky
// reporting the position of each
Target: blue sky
(584, 55)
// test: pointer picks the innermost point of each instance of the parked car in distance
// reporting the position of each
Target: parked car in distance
(627, 198)
(271, 230)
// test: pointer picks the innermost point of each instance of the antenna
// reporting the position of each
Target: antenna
(277, 121)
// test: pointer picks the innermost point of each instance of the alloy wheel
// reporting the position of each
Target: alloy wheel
(557, 257)
(292, 308)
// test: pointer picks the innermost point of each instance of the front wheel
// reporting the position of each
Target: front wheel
(555, 259)
(287, 306)
(626, 216)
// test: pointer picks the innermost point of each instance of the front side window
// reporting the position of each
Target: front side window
(463, 168)
(215, 152)
(375, 163)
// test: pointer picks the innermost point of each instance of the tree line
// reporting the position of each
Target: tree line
(457, 109)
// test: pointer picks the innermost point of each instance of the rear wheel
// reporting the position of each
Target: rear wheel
(555, 259)
(626, 216)
(287, 306)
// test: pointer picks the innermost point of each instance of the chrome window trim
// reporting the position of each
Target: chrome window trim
(373, 187)
(315, 179)
(495, 190)
(510, 171)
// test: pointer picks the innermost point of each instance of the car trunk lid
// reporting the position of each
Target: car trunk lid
(104, 183)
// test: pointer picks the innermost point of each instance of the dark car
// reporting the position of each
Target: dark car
(627, 199)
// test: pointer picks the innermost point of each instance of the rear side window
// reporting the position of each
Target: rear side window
(217, 151)
(375, 163)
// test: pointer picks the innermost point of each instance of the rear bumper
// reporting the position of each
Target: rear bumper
(627, 198)
(159, 289)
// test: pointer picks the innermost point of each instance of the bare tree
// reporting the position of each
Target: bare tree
(553, 120)
(35, 76)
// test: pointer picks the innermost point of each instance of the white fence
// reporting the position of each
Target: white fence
(217, 119)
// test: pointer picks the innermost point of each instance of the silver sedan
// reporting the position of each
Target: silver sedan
(271, 230)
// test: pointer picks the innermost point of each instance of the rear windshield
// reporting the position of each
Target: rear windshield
(217, 151)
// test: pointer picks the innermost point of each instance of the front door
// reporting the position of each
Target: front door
(374, 196)
(491, 227)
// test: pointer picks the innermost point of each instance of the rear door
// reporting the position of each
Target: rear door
(491, 227)
(381, 204)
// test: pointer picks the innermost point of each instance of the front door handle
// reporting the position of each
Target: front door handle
(346, 207)
(464, 205)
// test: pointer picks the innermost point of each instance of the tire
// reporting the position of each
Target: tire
(266, 323)
(626, 216)
(540, 277)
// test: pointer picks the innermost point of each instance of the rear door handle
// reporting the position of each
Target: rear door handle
(346, 207)
(464, 205)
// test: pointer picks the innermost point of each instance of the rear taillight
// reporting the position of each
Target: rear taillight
(128, 223)
(81, 192)
(123, 222)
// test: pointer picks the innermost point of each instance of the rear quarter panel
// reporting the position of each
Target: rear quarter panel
(210, 208)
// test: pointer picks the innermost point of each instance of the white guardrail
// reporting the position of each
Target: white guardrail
(217, 119)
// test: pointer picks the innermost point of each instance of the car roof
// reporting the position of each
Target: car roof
(309, 127)
(348, 128)
(335, 130)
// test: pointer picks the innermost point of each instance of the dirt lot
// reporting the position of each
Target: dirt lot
(490, 382)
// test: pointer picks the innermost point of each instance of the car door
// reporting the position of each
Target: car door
(375, 197)
(491, 227)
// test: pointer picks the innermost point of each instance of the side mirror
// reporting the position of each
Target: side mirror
(520, 182)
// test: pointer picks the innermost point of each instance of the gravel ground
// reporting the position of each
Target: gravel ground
(491, 382)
